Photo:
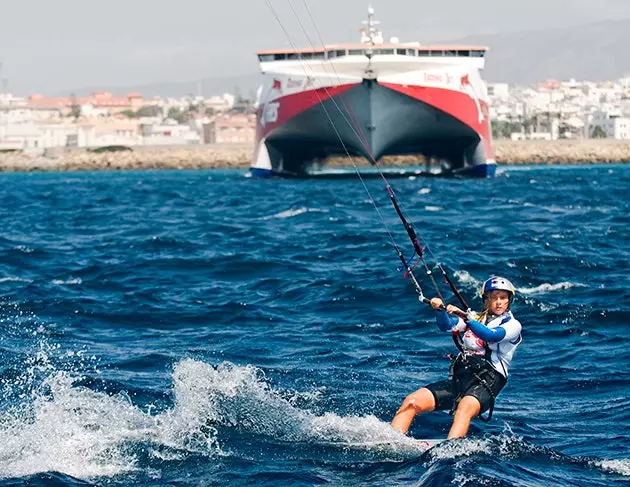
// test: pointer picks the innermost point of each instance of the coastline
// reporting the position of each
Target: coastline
(230, 156)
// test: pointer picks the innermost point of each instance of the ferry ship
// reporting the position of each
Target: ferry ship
(372, 99)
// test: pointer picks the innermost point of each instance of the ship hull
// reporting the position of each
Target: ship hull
(371, 119)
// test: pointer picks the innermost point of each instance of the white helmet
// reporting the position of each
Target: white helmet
(497, 284)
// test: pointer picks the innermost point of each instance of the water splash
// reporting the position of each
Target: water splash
(241, 398)
(621, 466)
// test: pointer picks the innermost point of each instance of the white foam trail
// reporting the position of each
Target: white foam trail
(433, 208)
(547, 287)
(424, 191)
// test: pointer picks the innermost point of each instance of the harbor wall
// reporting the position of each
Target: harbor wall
(231, 156)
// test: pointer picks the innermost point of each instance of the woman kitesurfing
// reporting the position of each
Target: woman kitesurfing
(486, 341)
(480, 371)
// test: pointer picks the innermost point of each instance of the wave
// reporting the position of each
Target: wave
(71, 429)
(14, 279)
(547, 287)
(467, 279)
(68, 428)
(621, 466)
(512, 447)
(293, 212)
(68, 282)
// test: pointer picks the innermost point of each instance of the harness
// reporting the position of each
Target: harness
(482, 368)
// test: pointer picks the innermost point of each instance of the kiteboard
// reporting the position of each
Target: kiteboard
(410, 443)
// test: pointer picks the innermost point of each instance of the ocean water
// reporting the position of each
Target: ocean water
(204, 328)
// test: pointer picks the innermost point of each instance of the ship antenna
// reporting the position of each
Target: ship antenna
(371, 36)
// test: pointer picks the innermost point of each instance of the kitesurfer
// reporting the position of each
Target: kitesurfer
(487, 342)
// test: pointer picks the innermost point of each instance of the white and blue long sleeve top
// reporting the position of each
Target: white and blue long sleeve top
(502, 334)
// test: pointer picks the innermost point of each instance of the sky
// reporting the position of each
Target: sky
(51, 47)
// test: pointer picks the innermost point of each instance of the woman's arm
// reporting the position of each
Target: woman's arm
(445, 322)
(492, 335)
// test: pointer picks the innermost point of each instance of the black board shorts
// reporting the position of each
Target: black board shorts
(465, 381)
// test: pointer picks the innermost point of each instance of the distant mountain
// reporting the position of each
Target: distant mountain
(597, 52)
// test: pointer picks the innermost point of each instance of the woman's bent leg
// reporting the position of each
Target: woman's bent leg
(421, 401)
(467, 409)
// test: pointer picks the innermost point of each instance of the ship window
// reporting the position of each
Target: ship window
(423, 53)
(401, 52)
(306, 55)
(436, 53)
(463, 53)
(411, 52)
(264, 58)
(356, 52)
(319, 55)
(279, 56)
(450, 53)
(383, 51)
(338, 53)
(293, 55)
(477, 53)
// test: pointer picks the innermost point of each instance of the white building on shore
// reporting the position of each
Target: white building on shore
(561, 109)
(168, 132)
(612, 124)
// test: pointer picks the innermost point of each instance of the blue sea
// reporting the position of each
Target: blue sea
(206, 328)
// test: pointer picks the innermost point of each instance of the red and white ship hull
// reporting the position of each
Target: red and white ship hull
(371, 101)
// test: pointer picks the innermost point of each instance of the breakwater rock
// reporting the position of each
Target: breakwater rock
(562, 151)
(146, 157)
(239, 156)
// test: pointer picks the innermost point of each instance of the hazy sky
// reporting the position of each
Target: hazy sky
(50, 46)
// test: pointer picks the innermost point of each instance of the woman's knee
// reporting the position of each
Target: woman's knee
(421, 401)
(470, 406)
